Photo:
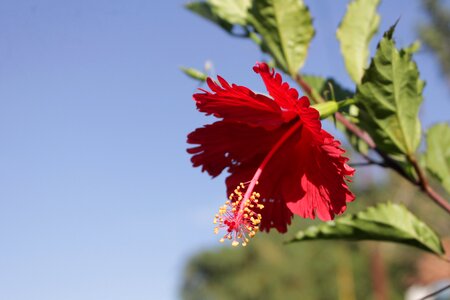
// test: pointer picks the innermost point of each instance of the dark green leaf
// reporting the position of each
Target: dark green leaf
(437, 155)
(384, 222)
(389, 96)
(356, 30)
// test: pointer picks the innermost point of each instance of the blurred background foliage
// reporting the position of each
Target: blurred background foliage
(269, 269)
(436, 32)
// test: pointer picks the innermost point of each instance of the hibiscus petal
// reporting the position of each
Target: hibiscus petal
(224, 144)
(239, 104)
(280, 91)
(322, 178)
(308, 176)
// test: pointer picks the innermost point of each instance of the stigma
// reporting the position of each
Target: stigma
(239, 216)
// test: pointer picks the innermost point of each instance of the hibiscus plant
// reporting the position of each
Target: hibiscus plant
(279, 160)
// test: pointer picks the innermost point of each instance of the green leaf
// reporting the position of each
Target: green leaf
(437, 156)
(357, 28)
(413, 48)
(384, 222)
(233, 11)
(225, 13)
(285, 27)
(194, 74)
(205, 10)
(389, 96)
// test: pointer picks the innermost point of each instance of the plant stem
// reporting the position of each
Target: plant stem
(388, 161)
(366, 163)
(426, 188)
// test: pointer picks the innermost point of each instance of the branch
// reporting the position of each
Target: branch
(436, 292)
(367, 163)
(426, 188)
(388, 161)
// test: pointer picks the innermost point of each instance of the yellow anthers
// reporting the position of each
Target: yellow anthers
(238, 216)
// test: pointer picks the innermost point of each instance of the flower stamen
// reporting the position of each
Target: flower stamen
(239, 216)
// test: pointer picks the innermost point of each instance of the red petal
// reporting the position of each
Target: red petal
(224, 144)
(304, 175)
(318, 186)
(280, 91)
(239, 104)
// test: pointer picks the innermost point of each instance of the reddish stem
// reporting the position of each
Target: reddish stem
(426, 188)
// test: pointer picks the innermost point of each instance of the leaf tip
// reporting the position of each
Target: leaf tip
(389, 34)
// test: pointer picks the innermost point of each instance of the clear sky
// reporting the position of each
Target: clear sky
(98, 199)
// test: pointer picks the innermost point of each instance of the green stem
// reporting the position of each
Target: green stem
(329, 108)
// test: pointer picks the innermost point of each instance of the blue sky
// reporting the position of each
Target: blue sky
(98, 199)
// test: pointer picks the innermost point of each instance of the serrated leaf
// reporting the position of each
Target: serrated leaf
(285, 27)
(437, 156)
(194, 74)
(357, 28)
(384, 222)
(389, 96)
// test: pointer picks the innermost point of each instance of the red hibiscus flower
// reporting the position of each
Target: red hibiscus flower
(279, 159)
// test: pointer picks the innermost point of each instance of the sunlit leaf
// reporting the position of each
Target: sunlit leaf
(384, 222)
(357, 28)
(205, 10)
(225, 13)
(390, 95)
(232, 11)
(437, 156)
(285, 27)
